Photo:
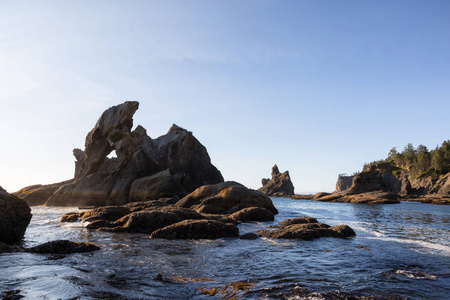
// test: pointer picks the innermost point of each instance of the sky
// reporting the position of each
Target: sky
(318, 87)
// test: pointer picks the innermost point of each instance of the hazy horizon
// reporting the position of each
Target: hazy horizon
(317, 87)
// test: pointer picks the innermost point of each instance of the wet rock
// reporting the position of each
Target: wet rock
(225, 198)
(107, 213)
(70, 217)
(15, 215)
(279, 185)
(146, 221)
(11, 295)
(4, 248)
(249, 236)
(197, 229)
(300, 220)
(63, 247)
(306, 229)
(253, 214)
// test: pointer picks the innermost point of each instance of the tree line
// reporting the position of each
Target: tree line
(419, 161)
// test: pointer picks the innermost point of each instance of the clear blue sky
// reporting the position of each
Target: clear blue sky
(317, 87)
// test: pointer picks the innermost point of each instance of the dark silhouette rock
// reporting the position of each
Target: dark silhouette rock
(253, 214)
(4, 248)
(249, 236)
(63, 247)
(197, 229)
(225, 198)
(306, 229)
(279, 185)
(174, 164)
(15, 215)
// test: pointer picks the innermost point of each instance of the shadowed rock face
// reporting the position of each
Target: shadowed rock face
(279, 185)
(343, 183)
(145, 168)
(15, 215)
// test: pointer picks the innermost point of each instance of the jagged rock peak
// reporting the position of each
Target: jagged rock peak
(279, 185)
(174, 164)
(275, 171)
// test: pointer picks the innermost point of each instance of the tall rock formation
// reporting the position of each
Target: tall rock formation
(279, 185)
(174, 164)
(343, 182)
(15, 215)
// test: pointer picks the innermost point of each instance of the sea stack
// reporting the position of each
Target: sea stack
(279, 185)
(172, 165)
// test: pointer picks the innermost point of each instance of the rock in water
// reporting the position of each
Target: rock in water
(225, 198)
(174, 164)
(63, 247)
(197, 229)
(279, 185)
(15, 215)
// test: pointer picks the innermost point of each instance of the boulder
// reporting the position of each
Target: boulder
(174, 164)
(279, 185)
(63, 247)
(15, 215)
(225, 198)
(107, 213)
(145, 221)
(306, 229)
(197, 229)
(253, 214)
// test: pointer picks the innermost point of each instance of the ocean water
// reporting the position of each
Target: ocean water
(400, 249)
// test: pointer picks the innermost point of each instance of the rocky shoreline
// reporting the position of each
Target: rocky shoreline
(209, 212)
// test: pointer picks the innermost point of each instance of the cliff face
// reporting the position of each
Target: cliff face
(174, 164)
(279, 185)
(388, 178)
(343, 183)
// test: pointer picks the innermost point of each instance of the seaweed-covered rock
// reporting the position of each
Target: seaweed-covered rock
(15, 215)
(197, 229)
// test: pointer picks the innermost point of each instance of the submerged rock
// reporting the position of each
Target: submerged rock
(63, 247)
(306, 228)
(279, 185)
(174, 164)
(197, 229)
(225, 198)
(15, 215)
